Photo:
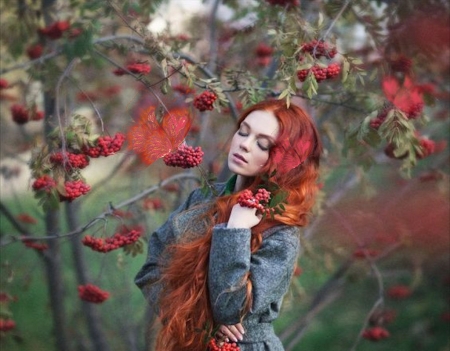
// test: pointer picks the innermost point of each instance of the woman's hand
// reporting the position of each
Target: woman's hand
(234, 333)
(243, 217)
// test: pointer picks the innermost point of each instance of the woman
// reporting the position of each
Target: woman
(217, 268)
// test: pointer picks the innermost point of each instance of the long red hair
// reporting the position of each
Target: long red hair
(185, 309)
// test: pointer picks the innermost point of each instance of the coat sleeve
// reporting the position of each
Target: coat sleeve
(148, 276)
(270, 268)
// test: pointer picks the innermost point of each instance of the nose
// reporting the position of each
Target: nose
(245, 144)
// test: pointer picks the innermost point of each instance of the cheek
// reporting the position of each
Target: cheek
(261, 158)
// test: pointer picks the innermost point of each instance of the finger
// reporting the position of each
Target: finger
(235, 332)
(240, 328)
(227, 333)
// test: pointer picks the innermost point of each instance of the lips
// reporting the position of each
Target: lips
(239, 157)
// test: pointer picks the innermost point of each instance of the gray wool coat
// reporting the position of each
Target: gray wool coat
(271, 269)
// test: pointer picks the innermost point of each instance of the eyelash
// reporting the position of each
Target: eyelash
(263, 148)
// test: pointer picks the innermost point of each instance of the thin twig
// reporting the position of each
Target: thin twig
(105, 214)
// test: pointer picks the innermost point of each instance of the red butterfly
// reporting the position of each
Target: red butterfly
(404, 97)
(153, 140)
(287, 156)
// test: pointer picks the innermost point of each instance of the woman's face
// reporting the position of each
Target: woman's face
(249, 150)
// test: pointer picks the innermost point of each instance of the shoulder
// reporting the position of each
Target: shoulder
(283, 234)
(204, 194)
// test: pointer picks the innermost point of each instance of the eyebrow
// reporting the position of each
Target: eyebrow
(270, 138)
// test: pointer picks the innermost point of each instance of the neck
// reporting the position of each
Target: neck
(241, 183)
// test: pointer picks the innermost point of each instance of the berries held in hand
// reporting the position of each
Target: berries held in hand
(185, 157)
(260, 200)
(214, 345)
(205, 101)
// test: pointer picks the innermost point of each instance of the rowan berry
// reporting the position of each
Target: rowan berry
(45, 183)
(205, 101)
(73, 190)
(105, 146)
(185, 157)
(399, 292)
(427, 146)
(263, 50)
(55, 30)
(118, 240)
(260, 200)
(70, 160)
(35, 245)
(6, 325)
(139, 68)
(375, 333)
(288, 3)
(333, 70)
(92, 293)
(4, 84)
(19, 114)
(214, 345)
(319, 48)
(26, 218)
(34, 51)
(364, 253)
(401, 64)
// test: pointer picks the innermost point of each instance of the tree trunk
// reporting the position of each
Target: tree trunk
(94, 323)
(55, 282)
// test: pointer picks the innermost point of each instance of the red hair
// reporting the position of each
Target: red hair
(186, 312)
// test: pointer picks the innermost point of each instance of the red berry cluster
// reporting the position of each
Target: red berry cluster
(205, 101)
(284, 2)
(35, 245)
(92, 293)
(74, 189)
(55, 30)
(6, 325)
(399, 292)
(263, 54)
(375, 333)
(320, 73)
(26, 218)
(45, 183)
(70, 160)
(214, 345)
(427, 146)
(4, 84)
(35, 51)
(319, 48)
(260, 200)
(136, 68)
(117, 241)
(401, 64)
(105, 146)
(183, 89)
(363, 253)
(185, 157)
(21, 115)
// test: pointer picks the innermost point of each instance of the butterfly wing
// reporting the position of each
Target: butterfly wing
(403, 97)
(176, 124)
(147, 138)
(288, 156)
